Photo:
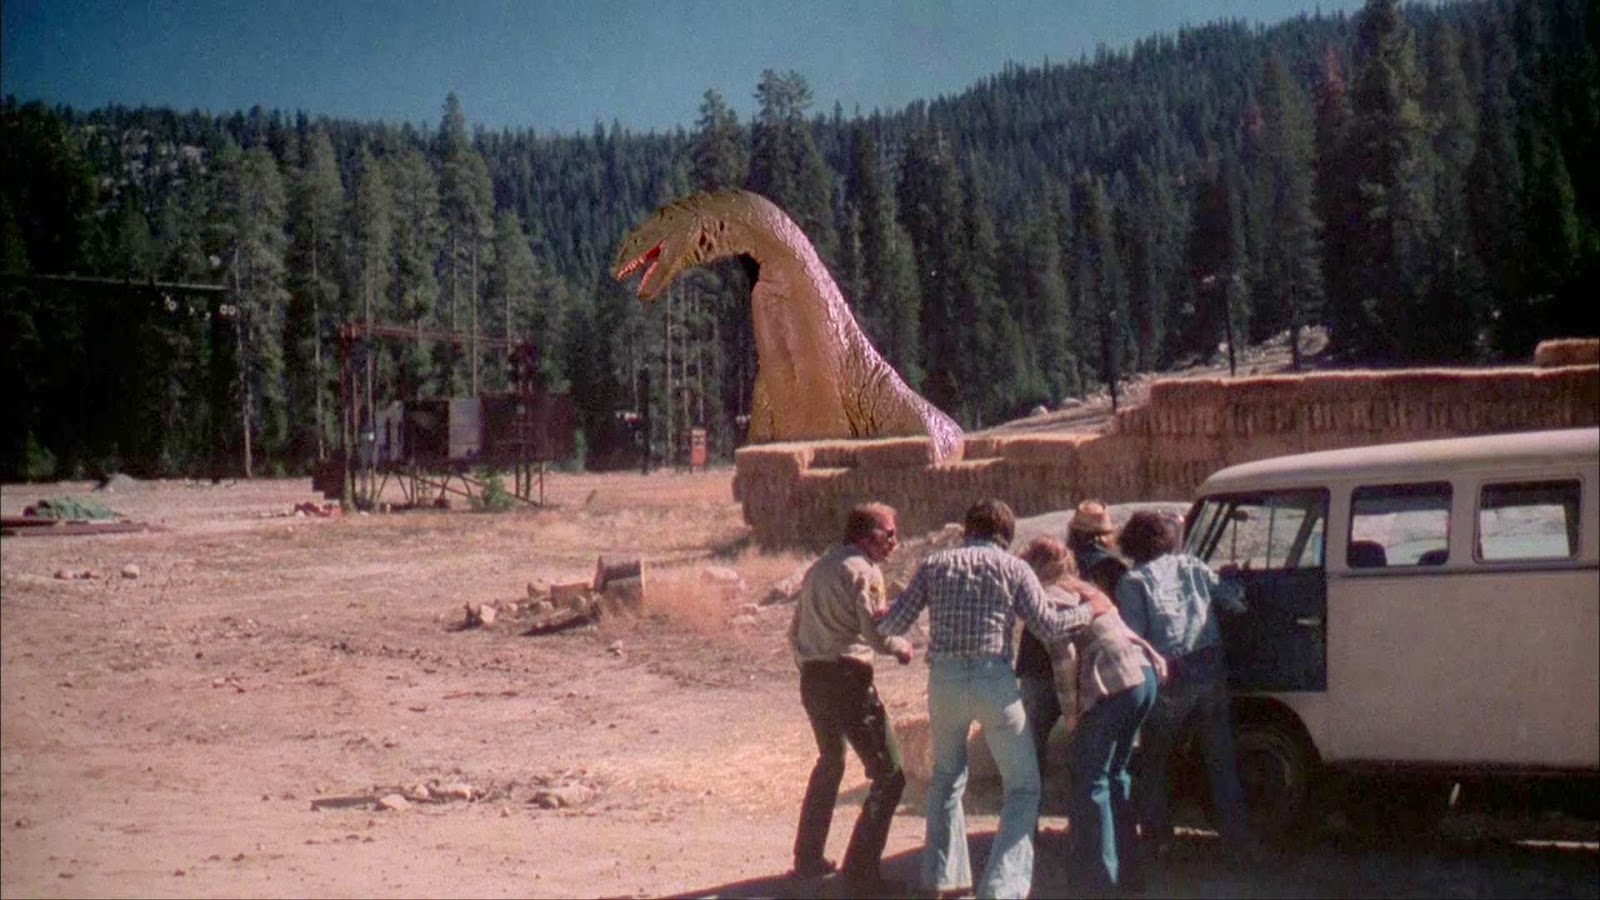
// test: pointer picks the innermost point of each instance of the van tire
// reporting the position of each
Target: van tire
(1276, 768)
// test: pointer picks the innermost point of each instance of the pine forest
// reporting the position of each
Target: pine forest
(1419, 181)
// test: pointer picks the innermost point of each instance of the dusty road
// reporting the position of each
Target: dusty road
(218, 725)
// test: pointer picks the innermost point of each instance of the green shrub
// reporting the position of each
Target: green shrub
(38, 463)
(495, 497)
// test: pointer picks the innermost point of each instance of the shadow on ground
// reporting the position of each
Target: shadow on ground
(1334, 868)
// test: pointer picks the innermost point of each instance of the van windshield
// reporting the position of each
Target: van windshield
(1278, 530)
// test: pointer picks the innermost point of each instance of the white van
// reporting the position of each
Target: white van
(1429, 606)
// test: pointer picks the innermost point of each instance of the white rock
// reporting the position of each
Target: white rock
(393, 803)
(563, 797)
(130, 571)
(460, 790)
(722, 575)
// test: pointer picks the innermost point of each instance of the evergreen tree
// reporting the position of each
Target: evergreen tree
(466, 208)
(1338, 209)
(318, 202)
(1100, 299)
(1555, 246)
(46, 222)
(1393, 236)
(720, 159)
(132, 355)
(186, 224)
(513, 282)
(1289, 259)
(369, 232)
(1036, 286)
(259, 278)
(992, 346)
(930, 209)
(886, 300)
(785, 166)
(413, 294)
(1456, 300)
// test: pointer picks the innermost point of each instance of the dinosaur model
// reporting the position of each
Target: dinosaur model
(818, 377)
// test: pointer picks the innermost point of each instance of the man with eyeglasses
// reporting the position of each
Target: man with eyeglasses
(833, 635)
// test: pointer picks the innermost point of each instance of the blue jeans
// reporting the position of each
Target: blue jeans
(982, 690)
(1206, 702)
(1100, 807)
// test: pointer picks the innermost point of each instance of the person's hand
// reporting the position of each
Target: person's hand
(902, 650)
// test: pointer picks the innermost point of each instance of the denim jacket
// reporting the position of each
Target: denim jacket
(1172, 600)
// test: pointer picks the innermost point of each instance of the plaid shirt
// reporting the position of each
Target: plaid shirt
(974, 594)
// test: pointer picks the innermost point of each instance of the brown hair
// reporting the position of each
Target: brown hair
(990, 519)
(1049, 559)
(1146, 536)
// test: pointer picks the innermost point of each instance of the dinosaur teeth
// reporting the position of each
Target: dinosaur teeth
(649, 256)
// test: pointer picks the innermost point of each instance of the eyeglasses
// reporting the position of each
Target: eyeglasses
(888, 533)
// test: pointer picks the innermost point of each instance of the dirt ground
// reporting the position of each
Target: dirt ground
(220, 724)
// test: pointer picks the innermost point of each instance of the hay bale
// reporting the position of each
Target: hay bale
(1054, 449)
(1567, 352)
(794, 494)
(916, 754)
(835, 454)
(897, 453)
(777, 462)
(980, 448)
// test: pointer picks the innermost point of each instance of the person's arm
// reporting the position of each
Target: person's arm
(1131, 603)
(1154, 658)
(1047, 621)
(866, 593)
(905, 609)
(1226, 588)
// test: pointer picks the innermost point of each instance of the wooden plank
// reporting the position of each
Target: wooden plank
(68, 529)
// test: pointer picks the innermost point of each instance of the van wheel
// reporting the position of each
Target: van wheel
(1275, 771)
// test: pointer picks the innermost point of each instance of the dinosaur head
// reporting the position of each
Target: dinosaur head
(693, 231)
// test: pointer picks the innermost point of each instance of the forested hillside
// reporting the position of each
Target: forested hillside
(1419, 180)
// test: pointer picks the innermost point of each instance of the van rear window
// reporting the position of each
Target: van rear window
(1528, 520)
(1399, 525)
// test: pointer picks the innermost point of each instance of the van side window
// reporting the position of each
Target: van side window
(1281, 530)
(1528, 520)
(1399, 525)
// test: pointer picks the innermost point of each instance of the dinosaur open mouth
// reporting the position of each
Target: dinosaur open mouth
(651, 256)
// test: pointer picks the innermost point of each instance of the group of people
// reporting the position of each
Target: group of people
(1119, 639)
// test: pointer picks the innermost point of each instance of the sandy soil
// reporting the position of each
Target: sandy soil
(220, 724)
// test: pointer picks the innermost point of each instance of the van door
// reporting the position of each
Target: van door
(1277, 540)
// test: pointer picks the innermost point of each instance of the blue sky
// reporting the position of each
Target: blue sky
(557, 65)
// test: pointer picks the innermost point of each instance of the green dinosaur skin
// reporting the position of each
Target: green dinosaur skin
(818, 377)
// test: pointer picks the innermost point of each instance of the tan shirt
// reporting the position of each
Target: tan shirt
(836, 610)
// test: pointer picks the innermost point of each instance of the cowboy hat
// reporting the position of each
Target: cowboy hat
(1091, 517)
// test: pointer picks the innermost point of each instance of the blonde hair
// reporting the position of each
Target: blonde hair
(1050, 559)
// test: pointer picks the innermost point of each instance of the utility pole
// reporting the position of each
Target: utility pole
(668, 371)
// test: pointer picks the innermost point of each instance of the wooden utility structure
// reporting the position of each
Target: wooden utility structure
(429, 446)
